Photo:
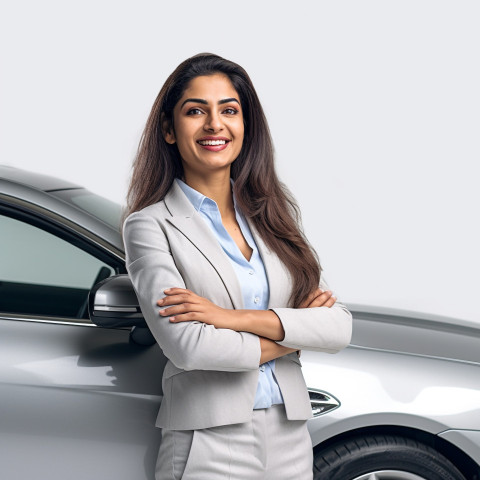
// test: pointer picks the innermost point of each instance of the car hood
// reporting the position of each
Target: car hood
(415, 333)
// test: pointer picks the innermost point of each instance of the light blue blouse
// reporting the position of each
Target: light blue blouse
(251, 276)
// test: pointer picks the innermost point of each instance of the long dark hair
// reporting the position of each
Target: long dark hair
(262, 198)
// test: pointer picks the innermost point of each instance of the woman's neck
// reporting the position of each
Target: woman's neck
(217, 187)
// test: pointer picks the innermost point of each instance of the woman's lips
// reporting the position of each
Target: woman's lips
(213, 145)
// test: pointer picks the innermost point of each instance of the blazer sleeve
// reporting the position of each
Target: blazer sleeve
(189, 345)
(323, 329)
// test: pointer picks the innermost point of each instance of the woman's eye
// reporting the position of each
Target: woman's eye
(194, 111)
(230, 111)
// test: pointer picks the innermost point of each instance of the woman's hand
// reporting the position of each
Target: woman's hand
(188, 307)
(319, 298)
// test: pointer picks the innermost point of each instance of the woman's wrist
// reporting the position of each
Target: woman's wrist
(271, 350)
(263, 323)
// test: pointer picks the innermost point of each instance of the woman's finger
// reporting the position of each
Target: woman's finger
(176, 290)
(321, 299)
(185, 317)
(177, 309)
(318, 291)
(175, 299)
(330, 302)
(311, 297)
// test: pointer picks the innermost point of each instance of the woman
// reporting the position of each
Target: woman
(226, 280)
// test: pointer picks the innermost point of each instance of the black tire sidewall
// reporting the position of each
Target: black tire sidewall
(349, 463)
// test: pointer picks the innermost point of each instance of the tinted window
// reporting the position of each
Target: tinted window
(43, 274)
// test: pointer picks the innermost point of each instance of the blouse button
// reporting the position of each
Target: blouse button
(256, 299)
(250, 272)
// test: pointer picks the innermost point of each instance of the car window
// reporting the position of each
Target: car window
(42, 274)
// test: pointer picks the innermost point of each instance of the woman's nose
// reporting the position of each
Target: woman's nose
(213, 123)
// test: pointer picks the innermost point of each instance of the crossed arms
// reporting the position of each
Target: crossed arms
(234, 340)
(182, 305)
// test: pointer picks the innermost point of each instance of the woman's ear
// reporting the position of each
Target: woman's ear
(167, 130)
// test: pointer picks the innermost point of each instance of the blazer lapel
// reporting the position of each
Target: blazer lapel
(277, 274)
(190, 223)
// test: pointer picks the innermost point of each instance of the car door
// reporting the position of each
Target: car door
(76, 401)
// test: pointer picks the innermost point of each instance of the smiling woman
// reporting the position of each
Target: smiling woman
(228, 285)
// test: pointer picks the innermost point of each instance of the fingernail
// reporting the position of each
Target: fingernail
(172, 319)
(160, 302)
(162, 312)
(167, 290)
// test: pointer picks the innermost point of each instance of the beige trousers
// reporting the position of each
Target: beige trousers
(269, 447)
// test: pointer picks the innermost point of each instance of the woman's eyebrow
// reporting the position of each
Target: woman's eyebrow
(204, 102)
(228, 100)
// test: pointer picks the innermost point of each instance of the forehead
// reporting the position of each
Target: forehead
(211, 87)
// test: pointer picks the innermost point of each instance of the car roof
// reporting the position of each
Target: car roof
(39, 181)
(47, 194)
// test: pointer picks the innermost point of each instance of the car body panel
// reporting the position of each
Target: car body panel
(77, 402)
(421, 373)
(431, 395)
(416, 333)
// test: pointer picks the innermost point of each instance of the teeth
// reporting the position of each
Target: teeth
(212, 142)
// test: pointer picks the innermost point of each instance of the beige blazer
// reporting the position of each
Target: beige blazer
(211, 376)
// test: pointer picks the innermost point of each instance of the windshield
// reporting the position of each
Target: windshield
(104, 209)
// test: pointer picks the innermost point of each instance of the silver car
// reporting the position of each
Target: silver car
(80, 373)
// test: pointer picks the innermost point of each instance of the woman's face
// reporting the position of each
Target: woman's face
(208, 125)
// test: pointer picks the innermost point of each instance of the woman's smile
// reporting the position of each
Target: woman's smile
(213, 144)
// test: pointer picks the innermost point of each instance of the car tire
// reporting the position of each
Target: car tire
(382, 457)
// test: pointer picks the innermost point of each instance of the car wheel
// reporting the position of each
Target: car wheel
(382, 457)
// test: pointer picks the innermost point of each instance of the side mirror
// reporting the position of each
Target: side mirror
(112, 303)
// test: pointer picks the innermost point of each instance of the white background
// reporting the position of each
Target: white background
(374, 108)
